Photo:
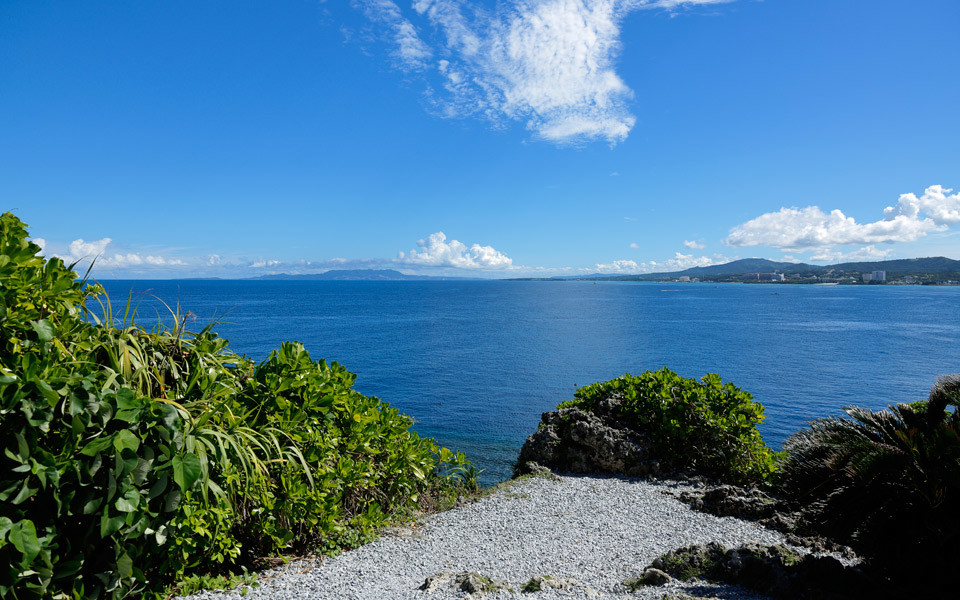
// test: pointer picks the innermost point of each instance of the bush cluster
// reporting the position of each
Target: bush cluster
(704, 426)
(885, 482)
(131, 458)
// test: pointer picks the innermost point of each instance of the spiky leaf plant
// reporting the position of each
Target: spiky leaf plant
(887, 482)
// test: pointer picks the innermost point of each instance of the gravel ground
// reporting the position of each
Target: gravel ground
(598, 531)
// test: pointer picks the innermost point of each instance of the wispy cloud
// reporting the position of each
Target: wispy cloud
(694, 244)
(804, 229)
(436, 251)
(549, 64)
(409, 50)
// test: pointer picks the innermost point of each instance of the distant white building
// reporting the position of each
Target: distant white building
(879, 276)
(684, 278)
(867, 277)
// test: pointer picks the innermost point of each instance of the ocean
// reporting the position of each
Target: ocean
(475, 363)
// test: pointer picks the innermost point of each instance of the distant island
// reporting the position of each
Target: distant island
(909, 271)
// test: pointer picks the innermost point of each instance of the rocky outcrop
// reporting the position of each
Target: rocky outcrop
(770, 511)
(571, 440)
(773, 570)
(472, 584)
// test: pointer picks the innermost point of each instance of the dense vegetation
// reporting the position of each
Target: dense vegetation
(704, 426)
(132, 458)
(885, 482)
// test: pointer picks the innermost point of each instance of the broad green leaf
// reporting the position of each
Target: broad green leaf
(25, 492)
(186, 470)
(141, 471)
(96, 446)
(128, 502)
(91, 507)
(126, 439)
(67, 569)
(171, 501)
(44, 329)
(125, 566)
(110, 525)
(127, 399)
(23, 536)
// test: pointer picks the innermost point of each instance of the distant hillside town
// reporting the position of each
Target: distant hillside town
(912, 271)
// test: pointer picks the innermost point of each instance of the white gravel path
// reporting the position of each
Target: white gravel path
(598, 531)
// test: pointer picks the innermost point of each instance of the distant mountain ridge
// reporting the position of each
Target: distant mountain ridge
(904, 266)
(745, 266)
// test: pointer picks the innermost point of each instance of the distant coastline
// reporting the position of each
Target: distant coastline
(912, 271)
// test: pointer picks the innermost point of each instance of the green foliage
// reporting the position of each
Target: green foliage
(197, 583)
(706, 426)
(885, 482)
(131, 458)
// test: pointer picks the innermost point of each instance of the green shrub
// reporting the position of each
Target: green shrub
(886, 482)
(131, 458)
(705, 426)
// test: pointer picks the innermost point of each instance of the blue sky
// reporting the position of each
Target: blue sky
(492, 139)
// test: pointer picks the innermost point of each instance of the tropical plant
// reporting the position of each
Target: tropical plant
(886, 482)
(131, 457)
(704, 426)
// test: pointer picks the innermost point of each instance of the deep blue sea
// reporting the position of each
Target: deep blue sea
(477, 362)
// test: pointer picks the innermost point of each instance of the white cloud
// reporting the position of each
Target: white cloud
(40, 242)
(693, 245)
(634, 245)
(213, 259)
(620, 266)
(936, 202)
(261, 263)
(866, 253)
(800, 229)
(435, 251)
(679, 262)
(547, 63)
(81, 251)
(410, 51)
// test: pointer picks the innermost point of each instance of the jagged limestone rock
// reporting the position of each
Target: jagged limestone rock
(571, 440)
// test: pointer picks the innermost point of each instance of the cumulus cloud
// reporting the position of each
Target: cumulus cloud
(693, 245)
(436, 251)
(620, 266)
(261, 263)
(40, 242)
(866, 253)
(679, 262)
(634, 245)
(936, 202)
(80, 251)
(547, 63)
(801, 229)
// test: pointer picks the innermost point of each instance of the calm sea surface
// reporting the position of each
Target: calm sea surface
(476, 362)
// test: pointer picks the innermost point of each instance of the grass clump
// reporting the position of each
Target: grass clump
(705, 426)
(133, 458)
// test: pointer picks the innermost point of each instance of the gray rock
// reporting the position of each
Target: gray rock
(574, 441)
(654, 576)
